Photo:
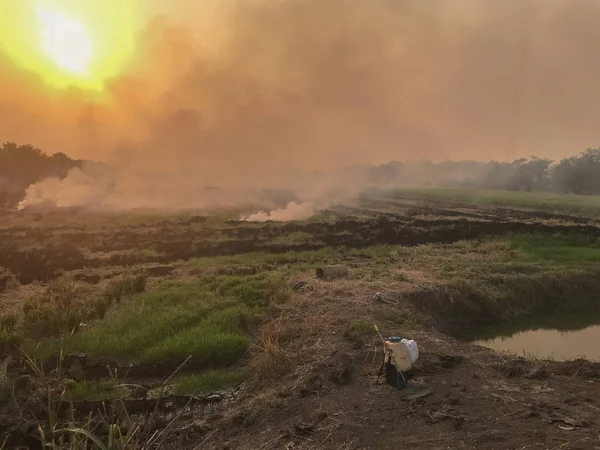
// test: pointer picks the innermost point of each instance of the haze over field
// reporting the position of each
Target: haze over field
(177, 96)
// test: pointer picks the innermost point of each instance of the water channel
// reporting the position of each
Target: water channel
(557, 337)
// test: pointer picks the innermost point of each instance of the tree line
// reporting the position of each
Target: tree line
(578, 174)
(24, 165)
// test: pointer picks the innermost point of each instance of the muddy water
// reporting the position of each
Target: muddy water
(557, 337)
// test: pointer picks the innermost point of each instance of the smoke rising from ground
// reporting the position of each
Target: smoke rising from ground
(286, 94)
(291, 211)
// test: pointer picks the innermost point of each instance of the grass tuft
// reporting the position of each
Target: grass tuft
(5, 383)
(92, 391)
(362, 328)
(128, 284)
(209, 381)
(269, 359)
(8, 280)
(58, 310)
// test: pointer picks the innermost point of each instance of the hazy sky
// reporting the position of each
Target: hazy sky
(309, 82)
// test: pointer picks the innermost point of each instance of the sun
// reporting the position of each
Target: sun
(66, 41)
(70, 44)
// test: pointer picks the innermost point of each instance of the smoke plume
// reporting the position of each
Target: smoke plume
(291, 211)
(286, 94)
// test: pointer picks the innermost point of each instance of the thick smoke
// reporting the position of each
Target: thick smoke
(288, 94)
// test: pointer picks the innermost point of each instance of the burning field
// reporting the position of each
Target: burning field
(176, 330)
(163, 266)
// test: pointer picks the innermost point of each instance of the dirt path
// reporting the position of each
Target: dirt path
(472, 398)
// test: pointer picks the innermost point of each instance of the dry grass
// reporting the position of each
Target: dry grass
(5, 383)
(269, 360)
(434, 284)
(127, 284)
(301, 333)
(112, 427)
(10, 339)
(8, 280)
(62, 307)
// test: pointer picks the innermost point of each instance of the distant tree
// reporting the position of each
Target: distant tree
(530, 175)
(23, 165)
(579, 174)
(385, 173)
(495, 175)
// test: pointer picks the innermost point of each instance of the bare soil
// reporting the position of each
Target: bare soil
(461, 396)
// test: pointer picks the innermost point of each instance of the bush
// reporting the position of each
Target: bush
(24, 165)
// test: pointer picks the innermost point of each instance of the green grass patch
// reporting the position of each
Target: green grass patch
(581, 205)
(557, 249)
(517, 276)
(207, 319)
(294, 261)
(92, 391)
(209, 381)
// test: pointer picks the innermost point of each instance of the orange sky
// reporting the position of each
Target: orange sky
(275, 84)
